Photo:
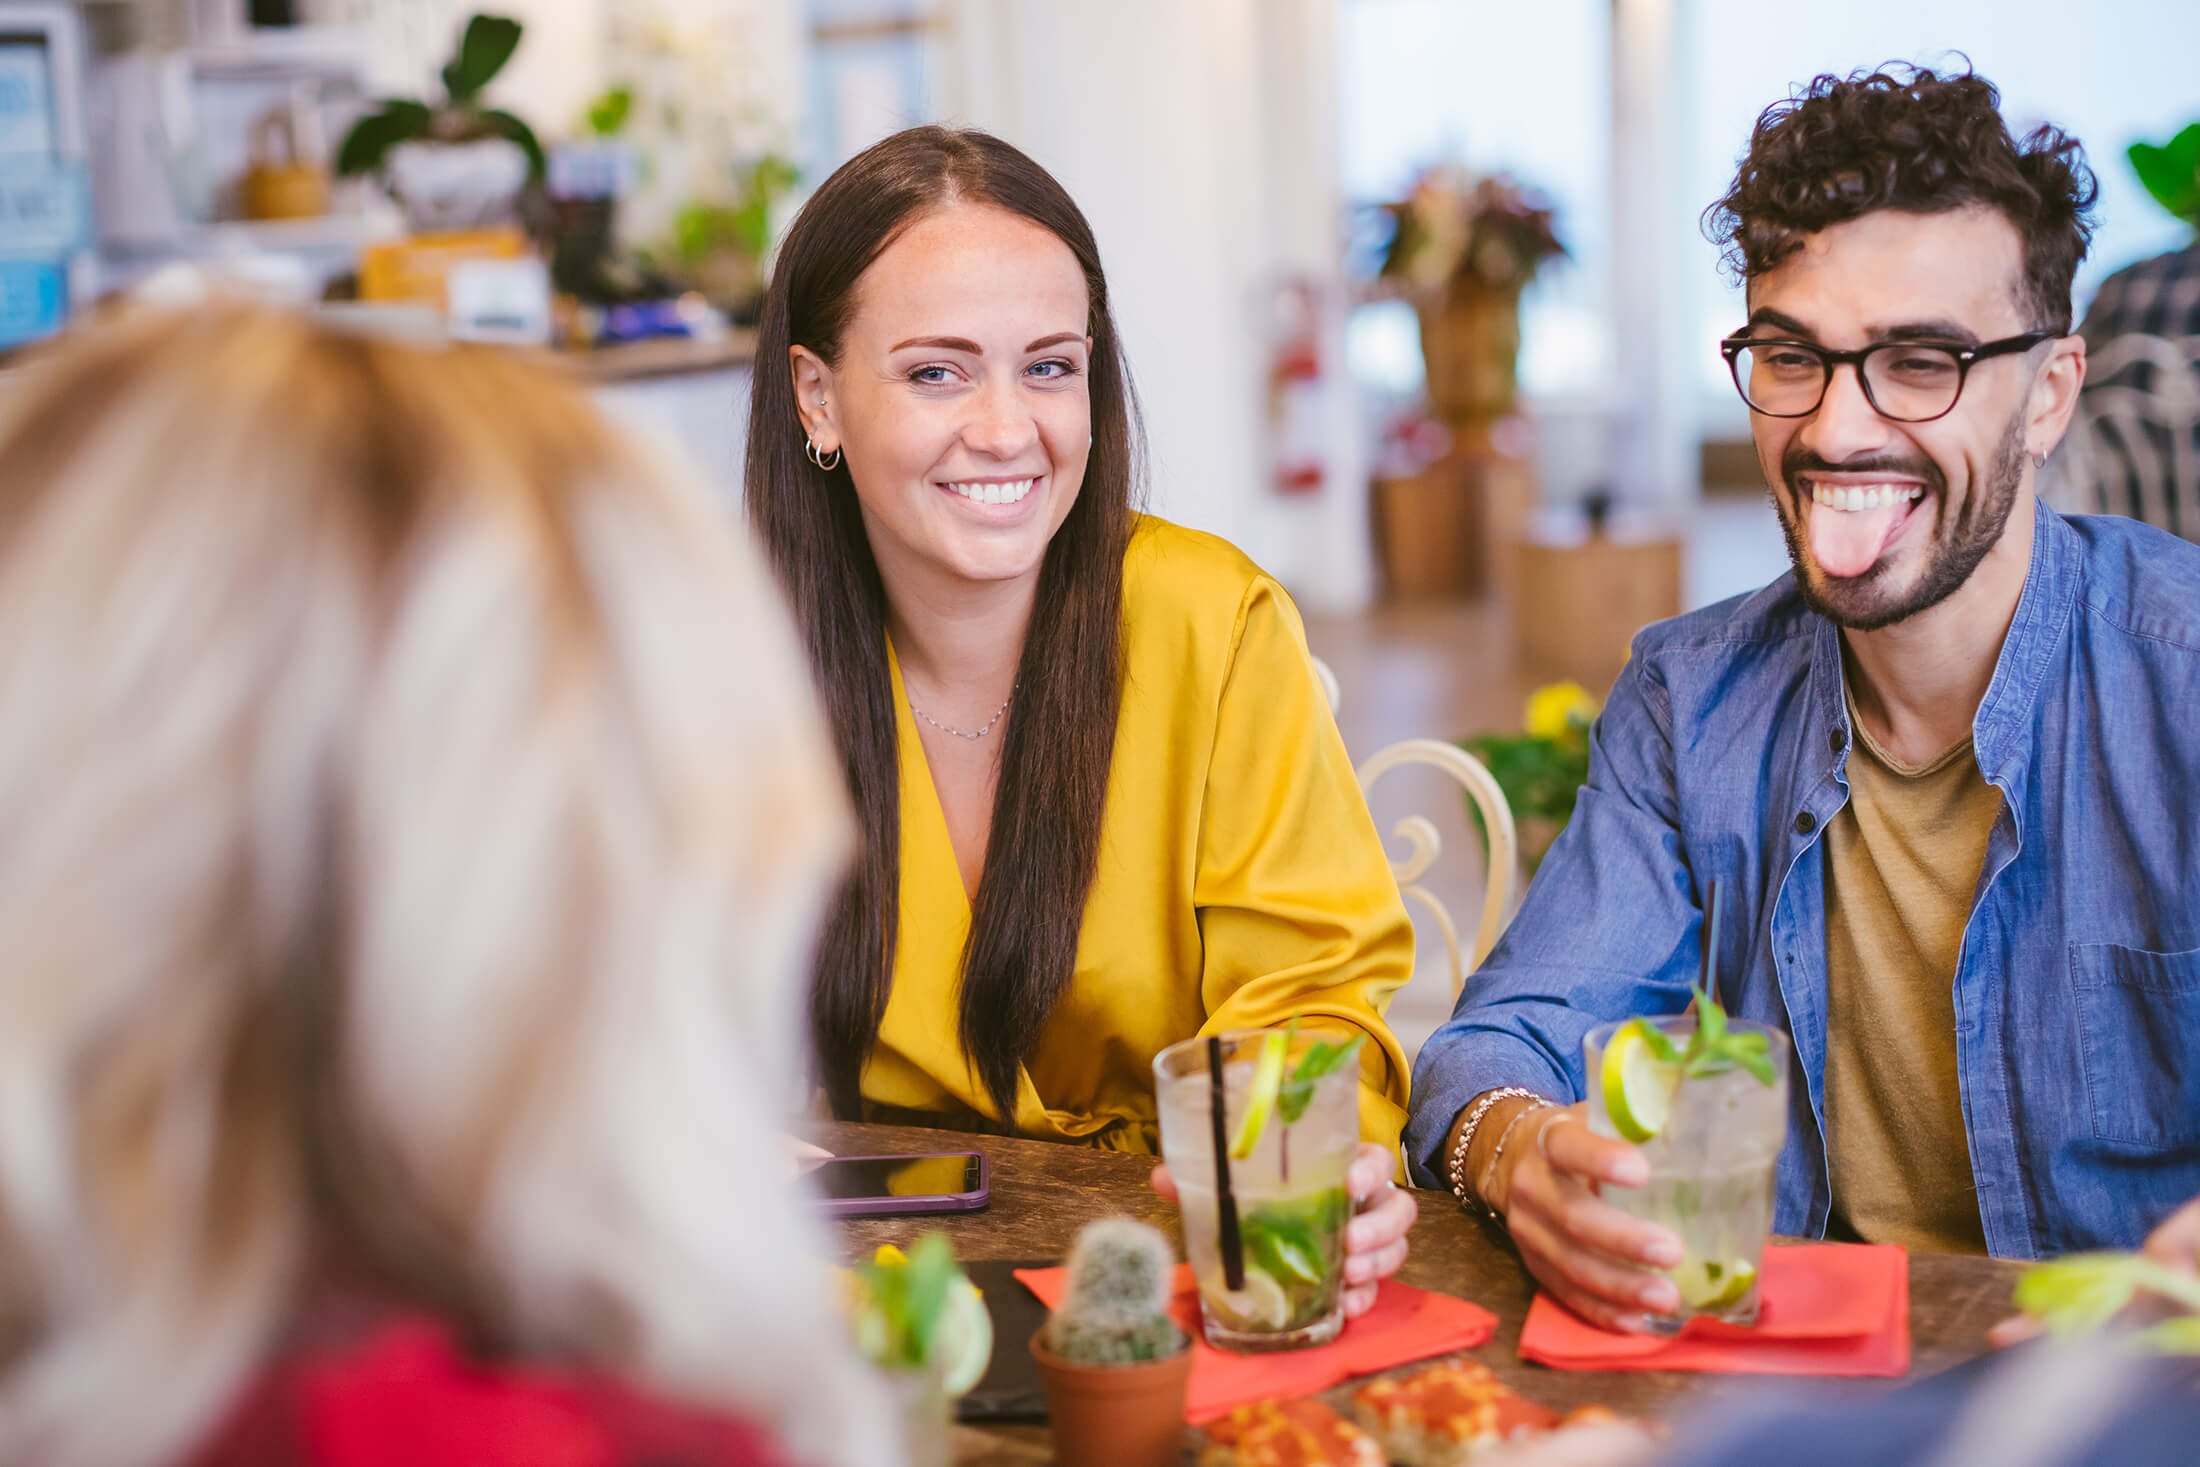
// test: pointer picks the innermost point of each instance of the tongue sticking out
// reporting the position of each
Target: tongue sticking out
(1846, 542)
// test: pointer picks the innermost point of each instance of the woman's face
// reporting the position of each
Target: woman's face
(961, 397)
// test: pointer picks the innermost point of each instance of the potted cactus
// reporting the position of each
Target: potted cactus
(1115, 1364)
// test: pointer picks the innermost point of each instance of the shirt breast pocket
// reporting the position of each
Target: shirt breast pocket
(2139, 1026)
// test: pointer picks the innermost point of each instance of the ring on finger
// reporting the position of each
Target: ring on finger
(1543, 1133)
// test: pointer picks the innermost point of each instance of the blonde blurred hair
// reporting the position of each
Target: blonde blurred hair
(416, 823)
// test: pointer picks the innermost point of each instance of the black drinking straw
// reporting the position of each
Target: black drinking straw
(1709, 980)
(1233, 1249)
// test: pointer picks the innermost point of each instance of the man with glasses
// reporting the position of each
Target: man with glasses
(1944, 772)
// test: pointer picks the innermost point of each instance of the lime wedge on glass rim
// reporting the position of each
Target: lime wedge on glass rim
(1260, 1100)
(1638, 1086)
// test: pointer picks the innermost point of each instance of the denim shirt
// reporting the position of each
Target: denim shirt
(1721, 755)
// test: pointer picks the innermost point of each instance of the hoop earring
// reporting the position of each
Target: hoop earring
(809, 451)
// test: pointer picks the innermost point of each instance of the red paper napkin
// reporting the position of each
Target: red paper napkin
(1824, 1309)
(1406, 1324)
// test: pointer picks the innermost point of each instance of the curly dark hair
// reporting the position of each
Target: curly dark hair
(1903, 137)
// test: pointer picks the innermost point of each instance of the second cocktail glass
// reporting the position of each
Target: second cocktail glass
(1713, 1143)
(1297, 1131)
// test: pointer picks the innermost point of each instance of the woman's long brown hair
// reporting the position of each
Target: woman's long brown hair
(1047, 809)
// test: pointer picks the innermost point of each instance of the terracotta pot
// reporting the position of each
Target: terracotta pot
(1428, 532)
(1470, 348)
(1115, 1415)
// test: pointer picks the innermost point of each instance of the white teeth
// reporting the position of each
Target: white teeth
(995, 493)
(1863, 496)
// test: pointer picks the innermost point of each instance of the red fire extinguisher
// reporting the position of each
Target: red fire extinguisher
(1296, 391)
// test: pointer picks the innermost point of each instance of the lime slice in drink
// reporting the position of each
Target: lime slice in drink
(1260, 1101)
(1261, 1304)
(1710, 1284)
(1638, 1086)
(964, 1344)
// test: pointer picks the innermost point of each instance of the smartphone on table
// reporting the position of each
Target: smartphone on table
(893, 1186)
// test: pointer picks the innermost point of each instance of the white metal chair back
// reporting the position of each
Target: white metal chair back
(1427, 844)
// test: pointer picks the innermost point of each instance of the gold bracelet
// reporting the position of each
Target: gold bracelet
(1473, 1123)
(1489, 1168)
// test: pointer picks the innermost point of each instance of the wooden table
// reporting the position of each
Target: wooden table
(1043, 1192)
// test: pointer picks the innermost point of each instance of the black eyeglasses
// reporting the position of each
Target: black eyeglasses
(1908, 381)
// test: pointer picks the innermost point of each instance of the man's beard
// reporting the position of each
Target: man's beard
(1859, 602)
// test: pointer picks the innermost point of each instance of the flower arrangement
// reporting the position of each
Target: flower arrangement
(1456, 231)
(917, 1317)
(918, 1311)
(1541, 768)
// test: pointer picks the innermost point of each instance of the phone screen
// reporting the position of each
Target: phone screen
(898, 1176)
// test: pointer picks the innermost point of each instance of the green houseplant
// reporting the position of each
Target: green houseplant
(454, 163)
(2171, 172)
(1540, 768)
(1114, 1362)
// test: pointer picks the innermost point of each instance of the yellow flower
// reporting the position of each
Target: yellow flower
(1558, 711)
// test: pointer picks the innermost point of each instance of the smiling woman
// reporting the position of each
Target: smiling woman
(1104, 805)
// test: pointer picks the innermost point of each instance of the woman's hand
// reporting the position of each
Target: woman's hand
(1375, 1240)
(2174, 1242)
(1594, 1259)
(2177, 1241)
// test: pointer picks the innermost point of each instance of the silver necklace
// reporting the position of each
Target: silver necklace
(983, 729)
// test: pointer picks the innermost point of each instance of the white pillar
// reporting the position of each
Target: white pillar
(1200, 140)
(1655, 440)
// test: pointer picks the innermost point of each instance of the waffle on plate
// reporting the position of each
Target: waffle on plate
(1298, 1433)
(1445, 1415)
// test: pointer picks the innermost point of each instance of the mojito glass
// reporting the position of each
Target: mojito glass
(1292, 1204)
(1712, 1155)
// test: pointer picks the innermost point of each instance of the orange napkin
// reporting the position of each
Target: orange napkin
(1824, 1309)
(1406, 1324)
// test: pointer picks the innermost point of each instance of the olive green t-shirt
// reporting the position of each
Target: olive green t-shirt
(1902, 866)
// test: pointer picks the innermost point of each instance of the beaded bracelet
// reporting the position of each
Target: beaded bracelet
(1481, 1108)
(1489, 1168)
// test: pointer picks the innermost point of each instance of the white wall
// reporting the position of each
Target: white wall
(1199, 140)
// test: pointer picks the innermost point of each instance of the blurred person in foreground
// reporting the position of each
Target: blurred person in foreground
(1104, 805)
(1937, 770)
(415, 830)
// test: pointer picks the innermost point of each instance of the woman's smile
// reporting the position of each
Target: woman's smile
(995, 497)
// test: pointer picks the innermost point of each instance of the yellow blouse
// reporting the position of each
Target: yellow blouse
(1240, 878)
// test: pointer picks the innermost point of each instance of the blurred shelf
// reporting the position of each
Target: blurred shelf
(278, 236)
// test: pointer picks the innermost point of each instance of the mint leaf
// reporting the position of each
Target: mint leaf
(1297, 1093)
(1710, 1022)
(1754, 1060)
(1659, 1042)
